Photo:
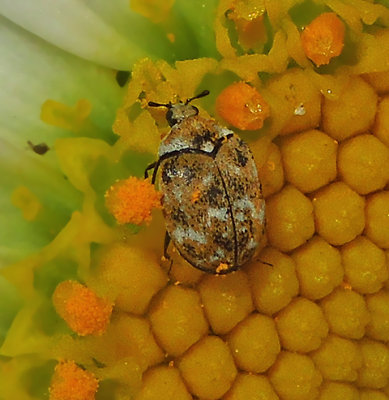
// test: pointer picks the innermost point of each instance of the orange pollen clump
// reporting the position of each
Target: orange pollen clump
(346, 286)
(131, 200)
(81, 308)
(323, 38)
(195, 195)
(70, 382)
(242, 106)
(221, 267)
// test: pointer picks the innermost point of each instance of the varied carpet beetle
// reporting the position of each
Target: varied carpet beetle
(212, 199)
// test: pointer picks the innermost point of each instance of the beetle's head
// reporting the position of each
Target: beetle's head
(180, 111)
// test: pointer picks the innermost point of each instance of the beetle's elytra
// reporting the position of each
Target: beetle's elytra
(212, 201)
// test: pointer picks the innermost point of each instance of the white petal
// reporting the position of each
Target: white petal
(74, 26)
(32, 71)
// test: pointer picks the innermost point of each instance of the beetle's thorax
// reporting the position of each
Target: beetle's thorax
(193, 132)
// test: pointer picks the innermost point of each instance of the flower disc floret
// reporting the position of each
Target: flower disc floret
(248, 386)
(350, 113)
(301, 326)
(309, 159)
(177, 319)
(365, 265)
(374, 373)
(339, 213)
(254, 343)
(208, 368)
(346, 313)
(363, 163)
(377, 219)
(377, 304)
(318, 267)
(338, 359)
(290, 219)
(273, 286)
(227, 300)
(295, 377)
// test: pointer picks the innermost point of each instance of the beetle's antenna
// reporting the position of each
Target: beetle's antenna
(153, 104)
(202, 94)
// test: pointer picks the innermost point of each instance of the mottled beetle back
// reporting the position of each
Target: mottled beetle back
(212, 201)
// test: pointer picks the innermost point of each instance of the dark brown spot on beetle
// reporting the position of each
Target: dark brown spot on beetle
(179, 216)
(225, 243)
(167, 171)
(189, 174)
(213, 194)
(242, 159)
(190, 249)
(202, 138)
(243, 239)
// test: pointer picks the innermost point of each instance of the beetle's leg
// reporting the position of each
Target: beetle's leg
(165, 254)
(166, 245)
(264, 262)
(151, 166)
(154, 165)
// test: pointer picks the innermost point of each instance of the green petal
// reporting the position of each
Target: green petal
(10, 297)
(113, 35)
(199, 17)
(56, 197)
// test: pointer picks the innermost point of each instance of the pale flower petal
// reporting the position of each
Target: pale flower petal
(74, 26)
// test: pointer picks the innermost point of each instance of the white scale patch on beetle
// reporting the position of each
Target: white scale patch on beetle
(175, 145)
(181, 234)
(262, 213)
(247, 204)
(217, 256)
(207, 180)
(239, 216)
(208, 147)
(223, 132)
(219, 213)
(178, 195)
(252, 244)
(212, 202)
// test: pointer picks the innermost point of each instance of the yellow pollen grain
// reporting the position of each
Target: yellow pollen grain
(171, 37)
(64, 116)
(27, 202)
(70, 382)
(155, 10)
(131, 200)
